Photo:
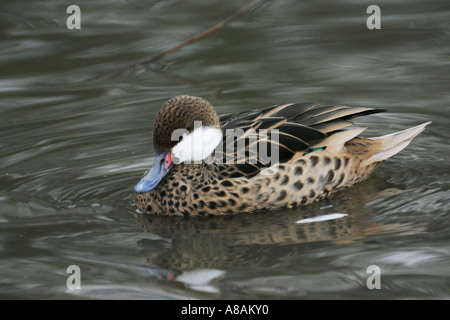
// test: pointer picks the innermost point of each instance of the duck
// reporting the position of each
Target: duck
(278, 157)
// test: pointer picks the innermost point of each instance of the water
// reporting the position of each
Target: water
(75, 129)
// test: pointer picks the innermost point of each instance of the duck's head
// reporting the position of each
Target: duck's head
(186, 129)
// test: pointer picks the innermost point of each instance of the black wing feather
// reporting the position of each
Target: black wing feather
(300, 126)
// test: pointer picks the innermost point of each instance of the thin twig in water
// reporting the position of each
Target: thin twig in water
(205, 33)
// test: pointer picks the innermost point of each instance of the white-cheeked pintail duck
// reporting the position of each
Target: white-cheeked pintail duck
(207, 164)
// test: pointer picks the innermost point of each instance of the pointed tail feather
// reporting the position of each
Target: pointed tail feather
(393, 143)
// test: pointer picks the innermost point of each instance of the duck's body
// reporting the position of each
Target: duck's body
(318, 154)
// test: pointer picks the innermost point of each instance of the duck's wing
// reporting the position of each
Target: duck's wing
(260, 138)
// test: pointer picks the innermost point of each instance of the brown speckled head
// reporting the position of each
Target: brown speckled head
(180, 113)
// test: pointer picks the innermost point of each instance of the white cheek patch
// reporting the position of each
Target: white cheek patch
(197, 145)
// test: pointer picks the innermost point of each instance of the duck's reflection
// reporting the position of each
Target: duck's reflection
(261, 240)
